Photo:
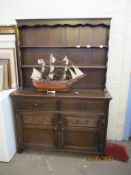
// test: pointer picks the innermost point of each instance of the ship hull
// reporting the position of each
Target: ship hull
(63, 85)
(51, 85)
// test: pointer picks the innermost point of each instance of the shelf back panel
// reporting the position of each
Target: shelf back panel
(64, 36)
(80, 57)
(95, 78)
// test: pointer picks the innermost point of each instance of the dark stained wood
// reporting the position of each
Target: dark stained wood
(39, 41)
(76, 93)
(86, 138)
(76, 120)
(87, 56)
(69, 21)
(59, 120)
(95, 78)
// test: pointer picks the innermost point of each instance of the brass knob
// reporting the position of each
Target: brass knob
(36, 104)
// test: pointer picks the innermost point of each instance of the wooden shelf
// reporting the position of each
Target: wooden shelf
(72, 47)
(83, 67)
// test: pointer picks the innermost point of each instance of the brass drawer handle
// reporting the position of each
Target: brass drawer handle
(36, 105)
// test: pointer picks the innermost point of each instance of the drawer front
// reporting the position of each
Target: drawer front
(36, 104)
(90, 106)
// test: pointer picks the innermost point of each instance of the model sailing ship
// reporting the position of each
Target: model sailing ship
(54, 77)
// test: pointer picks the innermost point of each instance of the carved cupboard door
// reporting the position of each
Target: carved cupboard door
(38, 129)
(83, 133)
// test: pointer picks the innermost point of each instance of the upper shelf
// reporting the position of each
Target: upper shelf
(80, 66)
(77, 46)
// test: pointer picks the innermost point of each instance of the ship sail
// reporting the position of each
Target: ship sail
(73, 74)
(43, 66)
(77, 71)
(36, 75)
(66, 60)
(56, 77)
(52, 68)
(43, 69)
(51, 76)
(52, 59)
(64, 76)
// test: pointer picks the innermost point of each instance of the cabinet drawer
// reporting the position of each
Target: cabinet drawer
(36, 104)
(89, 106)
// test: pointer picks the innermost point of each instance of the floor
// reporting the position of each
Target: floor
(33, 162)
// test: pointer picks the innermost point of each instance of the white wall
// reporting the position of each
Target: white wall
(120, 41)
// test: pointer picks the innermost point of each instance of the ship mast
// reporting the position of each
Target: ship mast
(51, 70)
(66, 62)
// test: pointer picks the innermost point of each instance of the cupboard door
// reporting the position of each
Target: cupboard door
(38, 129)
(83, 133)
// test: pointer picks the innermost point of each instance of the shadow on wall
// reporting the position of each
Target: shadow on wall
(127, 132)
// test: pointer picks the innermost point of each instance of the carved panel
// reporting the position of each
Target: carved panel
(87, 106)
(37, 120)
(82, 122)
